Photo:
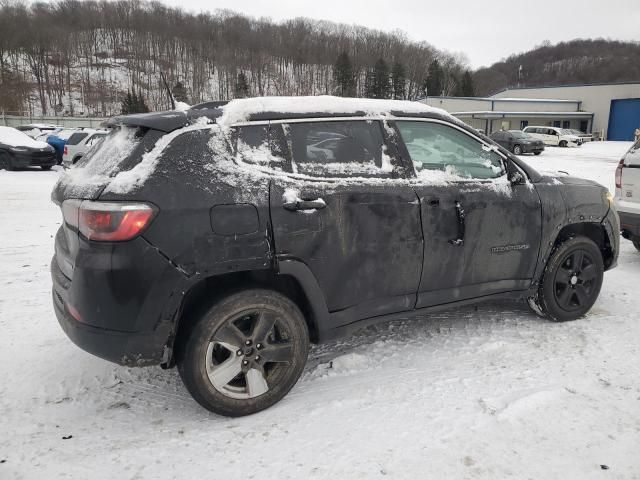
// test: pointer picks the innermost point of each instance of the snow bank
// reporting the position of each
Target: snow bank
(15, 138)
(240, 110)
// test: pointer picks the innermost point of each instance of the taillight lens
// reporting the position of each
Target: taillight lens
(108, 221)
(65, 150)
(619, 174)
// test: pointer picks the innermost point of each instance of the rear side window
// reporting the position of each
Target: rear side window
(76, 138)
(260, 145)
(434, 146)
(338, 149)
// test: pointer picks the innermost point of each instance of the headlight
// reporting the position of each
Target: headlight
(608, 198)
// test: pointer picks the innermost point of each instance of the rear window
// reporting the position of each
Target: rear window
(76, 138)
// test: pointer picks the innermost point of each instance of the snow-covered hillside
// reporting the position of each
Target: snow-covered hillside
(490, 392)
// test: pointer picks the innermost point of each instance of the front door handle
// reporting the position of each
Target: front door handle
(458, 242)
(316, 204)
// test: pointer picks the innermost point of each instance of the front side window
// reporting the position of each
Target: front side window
(434, 146)
(338, 149)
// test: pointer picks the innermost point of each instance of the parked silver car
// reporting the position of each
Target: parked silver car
(79, 144)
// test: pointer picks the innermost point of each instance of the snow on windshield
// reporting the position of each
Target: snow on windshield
(101, 161)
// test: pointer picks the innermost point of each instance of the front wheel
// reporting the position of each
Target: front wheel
(537, 153)
(517, 150)
(5, 162)
(563, 143)
(636, 243)
(244, 353)
(571, 281)
(46, 167)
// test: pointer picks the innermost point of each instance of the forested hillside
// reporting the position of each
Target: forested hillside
(88, 58)
(577, 61)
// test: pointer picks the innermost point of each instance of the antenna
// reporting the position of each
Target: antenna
(166, 85)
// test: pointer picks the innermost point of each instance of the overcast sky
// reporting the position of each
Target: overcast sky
(484, 31)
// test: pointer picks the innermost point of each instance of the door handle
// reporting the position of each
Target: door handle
(458, 242)
(316, 204)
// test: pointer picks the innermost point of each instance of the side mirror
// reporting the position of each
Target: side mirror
(516, 178)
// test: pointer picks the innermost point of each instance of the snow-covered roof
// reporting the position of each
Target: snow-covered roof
(15, 138)
(241, 110)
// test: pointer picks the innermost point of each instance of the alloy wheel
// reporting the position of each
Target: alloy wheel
(248, 353)
(575, 281)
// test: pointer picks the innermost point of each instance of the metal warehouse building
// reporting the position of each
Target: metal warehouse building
(609, 111)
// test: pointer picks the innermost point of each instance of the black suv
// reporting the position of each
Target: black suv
(518, 142)
(226, 239)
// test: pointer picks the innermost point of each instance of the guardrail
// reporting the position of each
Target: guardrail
(17, 120)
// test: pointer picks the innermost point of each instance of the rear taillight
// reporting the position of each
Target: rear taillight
(619, 174)
(65, 150)
(108, 221)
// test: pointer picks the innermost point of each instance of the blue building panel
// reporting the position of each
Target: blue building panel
(624, 118)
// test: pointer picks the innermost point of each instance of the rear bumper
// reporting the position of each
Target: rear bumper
(630, 225)
(120, 304)
(123, 348)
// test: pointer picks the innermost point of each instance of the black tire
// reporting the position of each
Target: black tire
(636, 243)
(5, 162)
(563, 143)
(46, 167)
(76, 160)
(517, 150)
(537, 153)
(236, 319)
(571, 281)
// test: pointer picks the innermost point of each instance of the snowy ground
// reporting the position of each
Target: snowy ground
(484, 393)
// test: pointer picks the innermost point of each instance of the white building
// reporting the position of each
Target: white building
(610, 111)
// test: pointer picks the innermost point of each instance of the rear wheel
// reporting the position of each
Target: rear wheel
(537, 153)
(571, 281)
(636, 243)
(563, 143)
(244, 353)
(517, 150)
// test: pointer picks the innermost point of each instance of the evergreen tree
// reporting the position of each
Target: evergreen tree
(343, 75)
(127, 104)
(179, 93)
(466, 85)
(381, 80)
(242, 86)
(398, 80)
(435, 77)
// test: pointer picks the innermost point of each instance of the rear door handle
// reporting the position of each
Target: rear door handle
(316, 204)
(458, 242)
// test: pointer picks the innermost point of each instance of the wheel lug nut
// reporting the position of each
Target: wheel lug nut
(257, 358)
(259, 345)
(248, 342)
(245, 362)
(239, 352)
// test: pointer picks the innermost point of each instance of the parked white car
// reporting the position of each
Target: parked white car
(559, 137)
(79, 144)
(627, 198)
(35, 130)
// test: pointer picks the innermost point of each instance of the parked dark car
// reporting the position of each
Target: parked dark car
(225, 240)
(18, 150)
(518, 142)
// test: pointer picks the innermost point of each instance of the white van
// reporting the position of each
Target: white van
(627, 199)
(559, 137)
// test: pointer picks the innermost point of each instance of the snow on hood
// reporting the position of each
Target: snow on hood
(15, 138)
(240, 110)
